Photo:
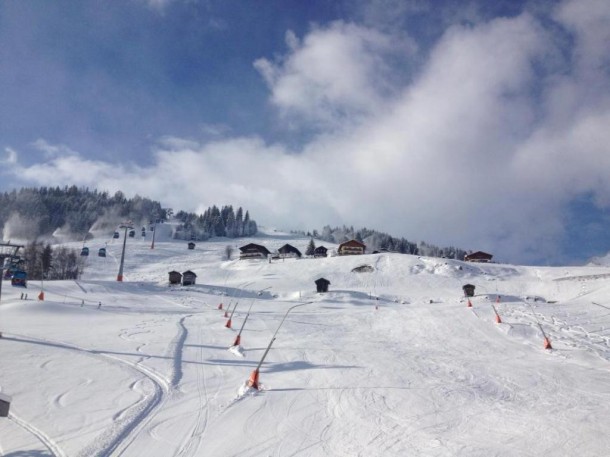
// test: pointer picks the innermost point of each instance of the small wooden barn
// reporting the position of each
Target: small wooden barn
(5, 404)
(188, 278)
(320, 251)
(191, 245)
(351, 247)
(322, 284)
(289, 251)
(253, 251)
(175, 277)
(478, 256)
(468, 290)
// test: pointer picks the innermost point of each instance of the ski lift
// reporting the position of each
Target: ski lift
(19, 279)
(116, 235)
(84, 251)
(132, 233)
(13, 265)
(101, 252)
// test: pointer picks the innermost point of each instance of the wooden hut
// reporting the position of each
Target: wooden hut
(320, 251)
(322, 285)
(191, 245)
(351, 247)
(5, 404)
(478, 256)
(289, 251)
(188, 278)
(253, 251)
(175, 277)
(468, 290)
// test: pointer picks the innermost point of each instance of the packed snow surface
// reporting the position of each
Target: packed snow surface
(390, 362)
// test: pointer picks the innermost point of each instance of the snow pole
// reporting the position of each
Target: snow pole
(546, 342)
(220, 305)
(228, 324)
(242, 288)
(253, 380)
(238, 337)
(498, 319)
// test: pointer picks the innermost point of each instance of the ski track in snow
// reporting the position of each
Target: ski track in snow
(53, 447)
(190, 446)
(422, 375)
(129, 421)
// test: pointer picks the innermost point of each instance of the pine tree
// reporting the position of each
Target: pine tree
(311, 247)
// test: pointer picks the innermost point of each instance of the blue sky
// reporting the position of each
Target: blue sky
(476, 124)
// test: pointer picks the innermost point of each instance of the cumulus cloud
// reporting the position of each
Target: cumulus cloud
(334, 73)
(483, 149)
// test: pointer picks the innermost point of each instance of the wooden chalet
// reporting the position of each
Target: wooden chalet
(468, 290)
(322, 285)
(175, 277)
(253, 251)
(188, 278)
(320, 251)
(478, 256)
(289, 251)
(5, 404)
(191, 245)
(351, 247)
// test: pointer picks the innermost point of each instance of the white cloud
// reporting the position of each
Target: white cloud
(53, 150)
(11, 156)
(158, 4)
(334, 73)
(481, 150)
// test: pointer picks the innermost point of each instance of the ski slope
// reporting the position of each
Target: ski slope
(387, 363)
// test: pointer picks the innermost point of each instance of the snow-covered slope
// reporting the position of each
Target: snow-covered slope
(387, 363)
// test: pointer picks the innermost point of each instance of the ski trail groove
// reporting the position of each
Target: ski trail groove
(116, 438)
(42, 437)
(192, 443)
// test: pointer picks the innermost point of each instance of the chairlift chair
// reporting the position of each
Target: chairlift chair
(19, 279)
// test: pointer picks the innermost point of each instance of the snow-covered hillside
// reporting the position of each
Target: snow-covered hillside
(387, 363)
